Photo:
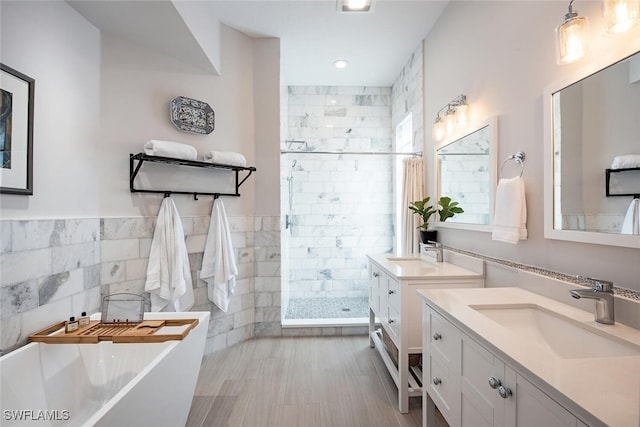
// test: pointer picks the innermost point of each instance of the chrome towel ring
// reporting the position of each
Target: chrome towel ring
(518, 158)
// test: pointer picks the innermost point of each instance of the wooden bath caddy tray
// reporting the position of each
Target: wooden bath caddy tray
(116, 332)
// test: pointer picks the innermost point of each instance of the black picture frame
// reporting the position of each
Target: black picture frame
(16, 148)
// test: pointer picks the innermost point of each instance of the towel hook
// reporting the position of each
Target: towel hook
(518, 158)
(167, 194)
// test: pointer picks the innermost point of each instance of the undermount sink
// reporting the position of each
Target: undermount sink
(410, 262)
(563, 336)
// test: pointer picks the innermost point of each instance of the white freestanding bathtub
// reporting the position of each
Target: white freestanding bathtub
(104, 384)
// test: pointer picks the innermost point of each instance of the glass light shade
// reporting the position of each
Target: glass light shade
(572, 39)
(620, 15)
(438, 129)
(462, 115)
(450, 122)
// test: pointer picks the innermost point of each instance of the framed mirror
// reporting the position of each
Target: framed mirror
(592, 155)
(466, 171)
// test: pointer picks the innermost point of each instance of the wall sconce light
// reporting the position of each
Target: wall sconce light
(438, 129)
(455, 117)
(572, 37)
(620, 15)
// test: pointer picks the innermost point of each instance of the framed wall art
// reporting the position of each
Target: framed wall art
(16, 132)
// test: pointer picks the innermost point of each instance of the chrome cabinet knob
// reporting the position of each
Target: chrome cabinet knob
(391, 321)
(437, 336)
(494, 382)
(376, 274)
(504, 392)
(437, 381)
(392, 292)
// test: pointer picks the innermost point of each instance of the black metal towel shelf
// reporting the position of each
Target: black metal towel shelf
(141, 158)
(608, 182)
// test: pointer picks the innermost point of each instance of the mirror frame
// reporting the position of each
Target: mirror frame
(492, 123)
(596, 63)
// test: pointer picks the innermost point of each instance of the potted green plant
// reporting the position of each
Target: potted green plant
(446, 209)
(425, 211)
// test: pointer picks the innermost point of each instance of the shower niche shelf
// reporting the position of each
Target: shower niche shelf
(137, 160)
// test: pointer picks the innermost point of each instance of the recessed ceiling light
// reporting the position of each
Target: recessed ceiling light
(341, 63)
(354, 5)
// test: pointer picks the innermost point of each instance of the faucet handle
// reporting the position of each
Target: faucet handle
(598, 285)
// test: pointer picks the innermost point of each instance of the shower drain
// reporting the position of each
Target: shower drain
(346, 309)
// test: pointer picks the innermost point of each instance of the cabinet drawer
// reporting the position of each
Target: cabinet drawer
(444, 389)
(444, 340)
(394, 323)
(393, 294)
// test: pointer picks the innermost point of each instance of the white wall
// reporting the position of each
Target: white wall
(266, 83)
(51, 43)
(137, 87)
(502, 56)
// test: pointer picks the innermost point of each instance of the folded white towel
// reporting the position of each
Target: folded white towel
(631, 223)
(225, 158)
(219, 268)
(510, 218)
(176, 150)
(168, 272)
(626, 161)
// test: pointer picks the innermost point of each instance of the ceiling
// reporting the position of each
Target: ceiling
(313, 33)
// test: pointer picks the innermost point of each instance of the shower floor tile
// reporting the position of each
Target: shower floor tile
(327, 308)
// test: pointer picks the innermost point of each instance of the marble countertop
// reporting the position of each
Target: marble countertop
(422, 267)
(597, 390)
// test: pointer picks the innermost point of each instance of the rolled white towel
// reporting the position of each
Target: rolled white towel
(626, 161)
(176, 150)
(225, 158)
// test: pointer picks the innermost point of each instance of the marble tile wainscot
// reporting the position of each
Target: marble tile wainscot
(49, 270)
(126, 244)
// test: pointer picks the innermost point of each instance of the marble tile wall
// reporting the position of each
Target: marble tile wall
(604, 223)
(126, 242)
(268, 276)
(338, 207)
(406, 96)
(53, 269)
(49, 271)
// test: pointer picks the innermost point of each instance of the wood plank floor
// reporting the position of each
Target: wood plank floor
(298, 382)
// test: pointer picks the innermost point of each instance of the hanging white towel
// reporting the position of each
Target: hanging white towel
(631, 223)
(510, 218)
(176, 150)
(168, 272)
(219, 268)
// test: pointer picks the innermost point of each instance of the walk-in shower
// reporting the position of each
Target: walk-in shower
(336, 199)
(337, 207)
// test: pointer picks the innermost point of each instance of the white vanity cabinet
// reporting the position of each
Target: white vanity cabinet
(472, 387)
(395, 305)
